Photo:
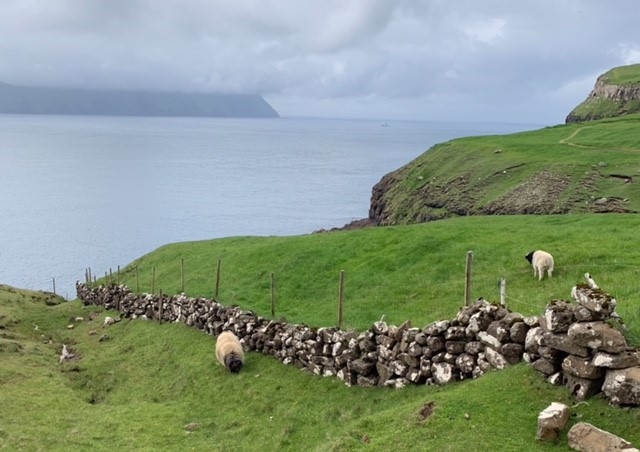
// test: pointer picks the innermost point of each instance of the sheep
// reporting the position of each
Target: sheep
(541, 262)
(229, 351)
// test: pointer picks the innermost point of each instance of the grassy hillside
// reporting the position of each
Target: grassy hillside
(623, 75)
(413, 272)
(147, 386)
(575, 168)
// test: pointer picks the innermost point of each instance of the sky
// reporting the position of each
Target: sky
(524, 61)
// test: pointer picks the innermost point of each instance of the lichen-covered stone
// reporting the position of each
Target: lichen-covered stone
(564, 343)
(581, 368)
(442, 373)
(585, 437)
(597, 336)
(551, 421)
(629, 358)
(622, 386)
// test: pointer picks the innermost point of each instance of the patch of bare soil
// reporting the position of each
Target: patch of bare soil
(537, 195)
(427, 410)
(609, 205)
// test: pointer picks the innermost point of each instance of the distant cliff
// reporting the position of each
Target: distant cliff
(30, 100)
(566, 169)
(616, 93)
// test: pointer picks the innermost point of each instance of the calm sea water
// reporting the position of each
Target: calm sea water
(99, 192)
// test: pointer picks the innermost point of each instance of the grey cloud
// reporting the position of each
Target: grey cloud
(417, 59)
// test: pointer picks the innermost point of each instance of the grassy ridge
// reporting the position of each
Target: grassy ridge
(502, 173)
(157, 387)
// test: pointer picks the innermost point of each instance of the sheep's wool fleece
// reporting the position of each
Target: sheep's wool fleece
(227, 346)
(542, 262)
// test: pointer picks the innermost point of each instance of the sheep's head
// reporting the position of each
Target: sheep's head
(233, 362)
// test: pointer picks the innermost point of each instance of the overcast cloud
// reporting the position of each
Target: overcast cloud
(526, 61)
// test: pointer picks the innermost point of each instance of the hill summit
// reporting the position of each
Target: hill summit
(616, 93)
(68, 101)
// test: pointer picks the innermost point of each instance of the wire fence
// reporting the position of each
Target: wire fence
(404, 299)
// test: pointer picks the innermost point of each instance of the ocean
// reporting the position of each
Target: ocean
(98, 192)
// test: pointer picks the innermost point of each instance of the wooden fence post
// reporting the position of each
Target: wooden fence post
(54, 285)
(503, 292)
(340, 299)
(182, 275)
(467, 279)
(273, 294)
(160, 307)
(137, 280)
(215, 295)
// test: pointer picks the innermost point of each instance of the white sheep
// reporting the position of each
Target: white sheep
(541, 262)
(229, 351)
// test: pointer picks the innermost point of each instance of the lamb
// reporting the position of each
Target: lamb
(541, 262)
(229, 351)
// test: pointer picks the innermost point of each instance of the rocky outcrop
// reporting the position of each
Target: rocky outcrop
(620, 100)
(582, 347)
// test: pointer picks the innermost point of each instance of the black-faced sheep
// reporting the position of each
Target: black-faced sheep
(229, 351)
(541, 261)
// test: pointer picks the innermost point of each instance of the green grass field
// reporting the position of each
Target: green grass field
(153, 386)
(144, 386)
(414, 272)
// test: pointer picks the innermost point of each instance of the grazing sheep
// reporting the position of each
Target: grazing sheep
(541, 262)
(229, 351)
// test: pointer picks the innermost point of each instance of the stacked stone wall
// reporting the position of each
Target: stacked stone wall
(571, 343)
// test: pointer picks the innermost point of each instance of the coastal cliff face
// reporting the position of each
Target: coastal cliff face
(555, 170)
(609, 98)
(539, 194)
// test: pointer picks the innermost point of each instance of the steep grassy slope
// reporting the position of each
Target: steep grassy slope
(577, 168)
(140, 385)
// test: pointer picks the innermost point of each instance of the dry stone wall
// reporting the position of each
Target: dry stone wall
(571, 343)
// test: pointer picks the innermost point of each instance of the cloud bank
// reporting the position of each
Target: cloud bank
(494, 60)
